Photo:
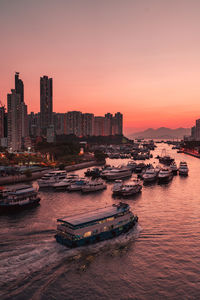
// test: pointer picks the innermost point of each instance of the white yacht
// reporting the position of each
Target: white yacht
(116, 190)
(118, 173)
(174, 168)
(65, 183)
(77, 185)
(50, 178)
(165, 175)
(183, 168)
(150, 175)
(131, 188)
(93, 186)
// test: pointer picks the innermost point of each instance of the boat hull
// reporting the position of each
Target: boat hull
(96, 238)
(18, 207)
(165, 179)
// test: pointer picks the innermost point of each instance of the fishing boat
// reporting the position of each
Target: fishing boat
(95, 226)
(18, 197)
(174, 168)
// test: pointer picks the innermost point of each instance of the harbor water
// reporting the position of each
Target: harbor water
(158, 259)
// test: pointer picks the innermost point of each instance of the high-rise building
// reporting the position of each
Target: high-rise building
(197, 131)
(99, 123)
(2, 120)
(74, 120)
(19, 86)
(117, 127)
(14, 121)
(108, 124)
(46, 103)
(87, 124)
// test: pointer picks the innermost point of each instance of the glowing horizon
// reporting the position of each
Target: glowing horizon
(140, 58)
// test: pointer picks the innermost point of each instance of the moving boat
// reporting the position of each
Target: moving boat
(150, 175)
(93, 186)
(50, 178)
(95, 226)
(165, 175)
(18, 197)
(183, 168)
(118, 173)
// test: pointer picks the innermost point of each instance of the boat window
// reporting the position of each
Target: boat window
(87, 234)
(106, 228)
(110, 219)
(95, 231)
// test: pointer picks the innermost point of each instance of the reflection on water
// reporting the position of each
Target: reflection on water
(158, 259)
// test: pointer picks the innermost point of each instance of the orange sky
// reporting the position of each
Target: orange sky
(139, 57)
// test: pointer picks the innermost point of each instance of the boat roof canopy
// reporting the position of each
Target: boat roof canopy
(95, 215)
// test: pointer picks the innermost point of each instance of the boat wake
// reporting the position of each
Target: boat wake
(24, 262)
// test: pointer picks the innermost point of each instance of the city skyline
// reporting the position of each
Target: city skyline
(140, 58)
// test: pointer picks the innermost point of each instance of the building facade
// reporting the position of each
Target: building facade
(46, 103)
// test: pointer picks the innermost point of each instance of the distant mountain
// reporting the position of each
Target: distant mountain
(162, 133)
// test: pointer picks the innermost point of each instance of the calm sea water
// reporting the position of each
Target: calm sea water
(158, 259)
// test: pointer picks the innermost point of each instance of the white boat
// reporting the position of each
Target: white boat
(93, 186)
(18, 197)
(131, 188)
(165, 175)
(77, 185)
(150, 175)
(95, 226)
(65, 183)
(118, 173)
(131, 165)
(174, 168)
(183, 168)
(116, 190)
(50, 178)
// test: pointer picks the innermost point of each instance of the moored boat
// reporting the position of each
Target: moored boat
(117, 187)
(165, 175)
(50, 178)
(132, 188)
(118, 173)
(95, 226)
(183, 169)
(65, 183)
(93, 186)
(174, 168)
(150, 175)
(18, 198)
(77, 185)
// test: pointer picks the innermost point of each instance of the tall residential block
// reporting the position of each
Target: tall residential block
(74, 122)
(19, 86)
(2, 121)
(46, 103)
(14, 121)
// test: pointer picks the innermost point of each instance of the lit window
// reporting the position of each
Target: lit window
(87, 234)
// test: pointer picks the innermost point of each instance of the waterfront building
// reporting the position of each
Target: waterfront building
(14, 120)
(117, 124)
(46, 103)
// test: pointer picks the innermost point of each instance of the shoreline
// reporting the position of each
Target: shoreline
(191, 154)
(36, 175)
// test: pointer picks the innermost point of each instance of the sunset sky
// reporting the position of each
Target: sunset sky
(139, 57)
